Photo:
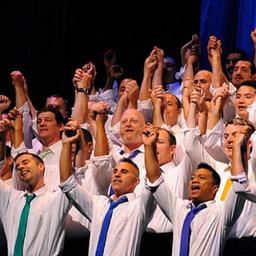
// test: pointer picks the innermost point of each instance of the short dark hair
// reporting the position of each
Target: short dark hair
(250, 83)
(67, 108)
(37, 157)
(127, 160)
(87, 135)
(171, 136)
(252, 67)
(242, 53)
(8, 151)
(178, 103)
(215, 175)
(58, 116)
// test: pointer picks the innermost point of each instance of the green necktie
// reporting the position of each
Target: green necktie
(45, 153)
(18, 249)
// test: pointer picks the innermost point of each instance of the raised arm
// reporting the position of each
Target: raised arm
(158, 74)
(4, 124)
(157, 97)
(82, 88)
(150, 65)
(17, 135)
(149, 137)
(101, 140)
(214, 47)
(66, 166)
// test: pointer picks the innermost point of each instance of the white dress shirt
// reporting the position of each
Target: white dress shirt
(128, 222)
(95, 178)
(45, 228)
(210, 226)
(246, 224)
(177, 178)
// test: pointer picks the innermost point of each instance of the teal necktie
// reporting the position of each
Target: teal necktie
(18, 249)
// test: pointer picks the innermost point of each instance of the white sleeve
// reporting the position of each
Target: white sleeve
(80, 198)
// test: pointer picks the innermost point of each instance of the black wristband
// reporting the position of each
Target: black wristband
(84, 90)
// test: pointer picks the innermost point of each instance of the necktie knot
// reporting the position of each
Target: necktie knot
(44, 153)
(121, 200)
(197, 209)
(134, 154)
(29, 198)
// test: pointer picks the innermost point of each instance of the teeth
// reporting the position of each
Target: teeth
(24, 173)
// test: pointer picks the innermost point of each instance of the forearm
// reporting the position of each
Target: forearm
(65, 162)
(120, 108)
(101, 142)
(192, 116)
(217, 74)
(151, 164)
(202, 122)
(157, 115)
(158, 75)
(237, 166)
(145, 86)
(216, 114)
(18, 137)
(80, 110)
(20, 96)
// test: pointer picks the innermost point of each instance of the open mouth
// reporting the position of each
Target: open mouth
(195, 188)
(23, 173)
(117, 181)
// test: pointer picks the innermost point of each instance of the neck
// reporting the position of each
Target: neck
(49, 142)
(131, 146)
(34, 187)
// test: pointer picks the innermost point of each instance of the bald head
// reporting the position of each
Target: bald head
(131, 128)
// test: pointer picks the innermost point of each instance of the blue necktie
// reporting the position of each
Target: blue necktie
(18, 249)
(105, 225)
(134, 154)
(185, 233)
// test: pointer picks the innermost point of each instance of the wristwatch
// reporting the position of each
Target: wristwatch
(84, 90)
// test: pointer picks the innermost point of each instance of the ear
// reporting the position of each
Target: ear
(61, 127)
(137, 182)
(90, 147)
(173, 149)
(215, 189)
(41, 166)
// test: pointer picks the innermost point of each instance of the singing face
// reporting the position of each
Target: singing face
(29, 169)
(131, 127)
(202, 187)
(125, 178)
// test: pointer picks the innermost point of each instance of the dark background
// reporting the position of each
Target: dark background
(47, 41)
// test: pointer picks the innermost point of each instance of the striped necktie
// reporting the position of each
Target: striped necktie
(45, 153)
(18, 249)
(105, 225)
(185, 233)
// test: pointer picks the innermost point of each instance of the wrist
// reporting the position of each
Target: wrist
(83, 90)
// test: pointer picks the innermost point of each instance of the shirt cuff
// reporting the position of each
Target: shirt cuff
(153, 186)
(241, 178)
(68, 185)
